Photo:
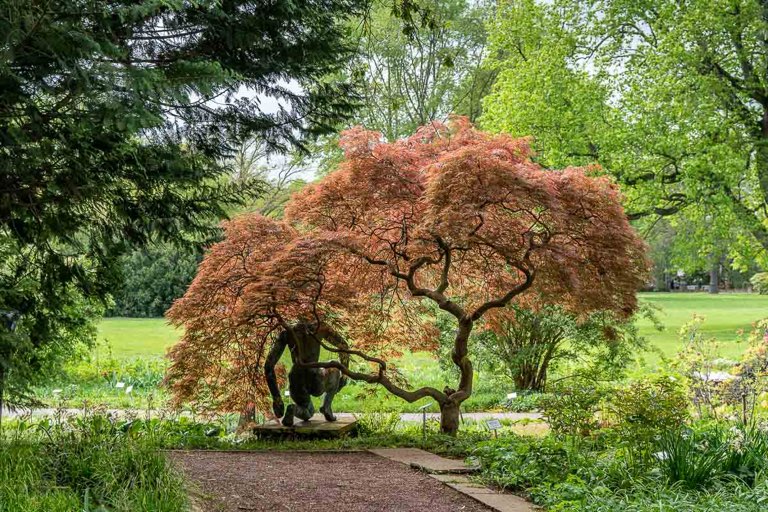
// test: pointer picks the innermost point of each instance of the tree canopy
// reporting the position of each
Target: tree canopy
(450, 216)
(669, 97)
(116, 121)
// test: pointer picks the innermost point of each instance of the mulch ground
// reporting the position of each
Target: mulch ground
(349, 482)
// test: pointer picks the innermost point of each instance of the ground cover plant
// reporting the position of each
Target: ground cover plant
(88, 463)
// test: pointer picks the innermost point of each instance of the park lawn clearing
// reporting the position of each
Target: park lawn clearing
(129, 338)
(352, 482)
(147, 339)
(725, 314)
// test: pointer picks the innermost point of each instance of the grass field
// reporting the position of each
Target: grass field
(724, 315)
(131, 350)
(136, 337)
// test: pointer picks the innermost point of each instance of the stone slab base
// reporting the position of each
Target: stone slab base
(316, 426)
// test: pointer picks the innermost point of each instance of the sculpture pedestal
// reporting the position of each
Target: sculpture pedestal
(315, 427)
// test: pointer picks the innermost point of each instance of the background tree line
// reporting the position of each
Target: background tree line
(593, 82)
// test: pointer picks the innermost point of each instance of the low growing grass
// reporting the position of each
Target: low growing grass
(725, 314)
(84, 465)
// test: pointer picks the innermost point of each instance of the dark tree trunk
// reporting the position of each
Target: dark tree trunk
(449, 417)
(714, 277)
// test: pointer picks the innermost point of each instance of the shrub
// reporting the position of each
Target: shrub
(696, 458)
(524, 402)
(529, 344)
(572, 409)
(517, 463)
(646, 408)
(760, 282)
(687, 458)
(381, 423)
(85, 464)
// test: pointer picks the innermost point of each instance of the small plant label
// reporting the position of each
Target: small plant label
(493, 424)
(511, 396)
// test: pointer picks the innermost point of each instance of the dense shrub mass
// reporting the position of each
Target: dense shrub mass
(759, 282)
(154, 278)
(705, 468)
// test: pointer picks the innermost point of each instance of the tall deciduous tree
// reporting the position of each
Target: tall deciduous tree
(449, 216)
(115, 118)
(670, 97)
(411, 77)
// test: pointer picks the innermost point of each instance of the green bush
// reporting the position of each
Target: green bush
(154, 277)
(518, 463)
(384, 423)
(647, 408)
(708, 468)
(524, 402)
(571, 409)
(85, 464)
(687, 458)
(760, 282)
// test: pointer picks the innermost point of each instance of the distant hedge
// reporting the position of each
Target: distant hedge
(154, 278)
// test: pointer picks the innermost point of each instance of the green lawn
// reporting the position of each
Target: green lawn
(136, 337)
(724, 315)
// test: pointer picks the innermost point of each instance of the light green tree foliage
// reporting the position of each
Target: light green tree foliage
(704, 241)
(414, 69)
(542, 88)
(411, 77)
(669, 97)
(281, 175)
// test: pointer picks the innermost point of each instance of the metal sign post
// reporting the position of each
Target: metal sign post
(423, 410)
(493, 425)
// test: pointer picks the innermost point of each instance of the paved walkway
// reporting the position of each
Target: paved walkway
(453, 473)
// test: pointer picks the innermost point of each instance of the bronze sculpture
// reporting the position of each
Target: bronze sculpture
(304, 340)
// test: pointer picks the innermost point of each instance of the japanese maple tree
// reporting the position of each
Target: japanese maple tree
(450, 216)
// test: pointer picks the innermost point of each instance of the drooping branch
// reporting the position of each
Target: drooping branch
(381, 378)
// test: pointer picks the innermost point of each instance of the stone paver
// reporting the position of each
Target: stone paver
(501, 502)
(424, 460)
(453, 474)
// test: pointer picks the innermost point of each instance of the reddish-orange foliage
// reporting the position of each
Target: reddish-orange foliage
(449, 216)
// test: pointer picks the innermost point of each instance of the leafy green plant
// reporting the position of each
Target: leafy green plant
(378, 423)
(688, 459)
(86, 463)
(760, 282)
(529, 344)
(524, 402)
(646, 408)
(571, 409)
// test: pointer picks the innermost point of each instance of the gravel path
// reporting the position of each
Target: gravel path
(349, 482)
